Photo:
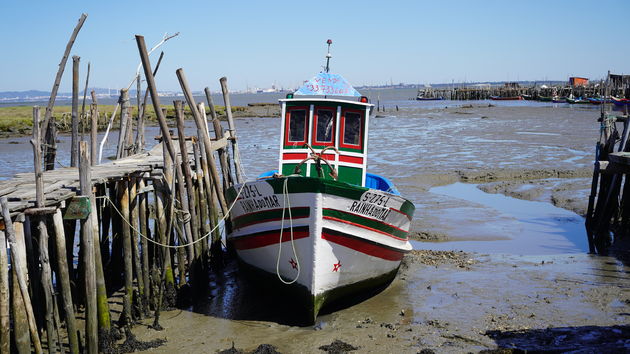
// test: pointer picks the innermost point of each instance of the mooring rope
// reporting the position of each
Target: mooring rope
(287, 201)
(175, 246)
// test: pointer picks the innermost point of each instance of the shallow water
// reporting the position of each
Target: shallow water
(519, 227)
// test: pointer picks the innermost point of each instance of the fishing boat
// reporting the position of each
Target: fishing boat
(558, 99)
(620, 101)
(511, 98)
(320, 228)
(578, 100)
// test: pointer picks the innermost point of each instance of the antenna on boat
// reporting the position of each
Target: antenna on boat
(328, 55)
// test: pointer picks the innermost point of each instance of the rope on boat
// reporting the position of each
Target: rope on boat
(287, 201)
(184, 245)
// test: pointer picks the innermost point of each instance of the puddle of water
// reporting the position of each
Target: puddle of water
(531, 228)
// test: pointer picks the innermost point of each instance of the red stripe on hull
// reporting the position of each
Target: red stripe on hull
(363, 246)
(351, 159)
(293, 156)
(267, 238)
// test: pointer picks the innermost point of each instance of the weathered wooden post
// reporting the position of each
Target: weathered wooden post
(135, 219)
(51, 150)
(206, 139)
(166, 137)
(218, 132)
(140, 141)
(123, 194)
(64, 280)
(179, 115)
(5, 329)
(93, 129)
(144, 230)
(228, 112)
(18, 260)
(44, 259)
(87, 244)
(74, 145)
(83, 119)
(125, 123)
(104, 318)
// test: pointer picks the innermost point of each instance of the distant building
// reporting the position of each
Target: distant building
(512, 85)
(578, 81)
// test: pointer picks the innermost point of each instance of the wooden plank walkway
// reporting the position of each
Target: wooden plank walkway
(62, 184)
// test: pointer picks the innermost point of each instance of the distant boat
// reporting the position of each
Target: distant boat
(545, 99)
(598, 100)
(513, 98)
(557, 99)
(579, 100)
(620, 101)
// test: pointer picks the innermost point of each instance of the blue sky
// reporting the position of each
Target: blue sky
(257, 43)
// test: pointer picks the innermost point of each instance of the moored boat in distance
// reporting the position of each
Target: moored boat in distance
(620, 101)
(320, 228)
(578, 100)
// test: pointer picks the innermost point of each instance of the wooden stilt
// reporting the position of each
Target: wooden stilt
(5, 329)
(18, 262)
(87, 244)
(144, 230)
(64, 279)
(135, 219)
(123, 194)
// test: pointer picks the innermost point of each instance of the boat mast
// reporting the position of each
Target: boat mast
(328, 55)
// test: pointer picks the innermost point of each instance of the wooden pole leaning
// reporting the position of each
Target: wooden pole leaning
(62, 66)
(232, 127)
(74, 146)
(206, 139)
(179, 115)
(218, 133)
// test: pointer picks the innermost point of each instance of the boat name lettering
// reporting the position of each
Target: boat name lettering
(370, 210)
(255, 204)
(250, 191)
(374, 198)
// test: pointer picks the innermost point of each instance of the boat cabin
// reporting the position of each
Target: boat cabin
(326, 125)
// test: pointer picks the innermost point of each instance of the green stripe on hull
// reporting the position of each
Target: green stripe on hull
(270, 215)
(320, 185)
(373, 224)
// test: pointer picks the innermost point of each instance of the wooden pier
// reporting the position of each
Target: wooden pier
(608, 214)
(144, 227)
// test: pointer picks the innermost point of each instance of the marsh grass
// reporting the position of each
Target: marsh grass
(19, 119)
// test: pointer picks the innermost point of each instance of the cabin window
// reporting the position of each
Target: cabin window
(352, 129)
(325, 125)
(297, 126)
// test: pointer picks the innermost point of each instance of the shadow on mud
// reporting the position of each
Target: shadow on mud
(234, 295)
(584, 339)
